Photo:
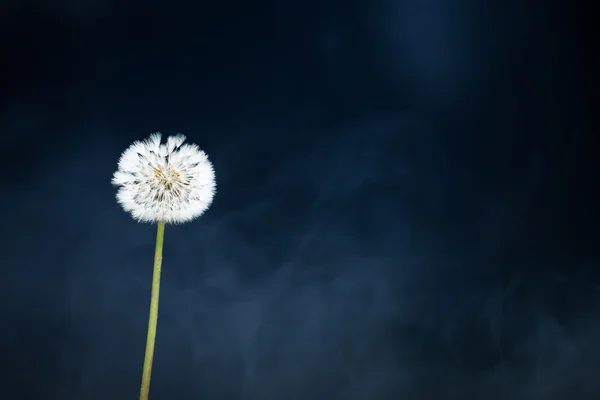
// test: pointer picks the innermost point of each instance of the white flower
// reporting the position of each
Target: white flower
(172, 182)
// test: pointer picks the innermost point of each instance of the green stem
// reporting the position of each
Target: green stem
(153, 319)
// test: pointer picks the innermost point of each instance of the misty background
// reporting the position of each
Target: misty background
(405, 203)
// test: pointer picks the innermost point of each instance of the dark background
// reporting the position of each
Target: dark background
(405, 207)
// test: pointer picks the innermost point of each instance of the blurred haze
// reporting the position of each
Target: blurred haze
(406, 203)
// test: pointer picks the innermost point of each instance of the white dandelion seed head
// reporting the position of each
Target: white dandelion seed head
(172, 182)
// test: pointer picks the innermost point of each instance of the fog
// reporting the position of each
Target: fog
(404, 203)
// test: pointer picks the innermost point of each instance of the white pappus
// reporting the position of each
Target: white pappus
(171, 182)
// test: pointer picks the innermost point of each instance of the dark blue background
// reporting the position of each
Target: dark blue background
(405, 207)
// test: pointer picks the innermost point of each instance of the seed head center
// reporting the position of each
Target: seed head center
(167, 177)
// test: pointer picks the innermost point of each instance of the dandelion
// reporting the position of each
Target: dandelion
(172, 182)
(168, 184)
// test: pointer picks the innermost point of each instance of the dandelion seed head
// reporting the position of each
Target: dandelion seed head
(171, 182)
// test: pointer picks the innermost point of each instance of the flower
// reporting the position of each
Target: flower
(172, 182)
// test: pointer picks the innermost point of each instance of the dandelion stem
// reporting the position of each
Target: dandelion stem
(153, 319)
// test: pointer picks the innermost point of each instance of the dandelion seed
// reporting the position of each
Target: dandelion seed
(171, 182)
